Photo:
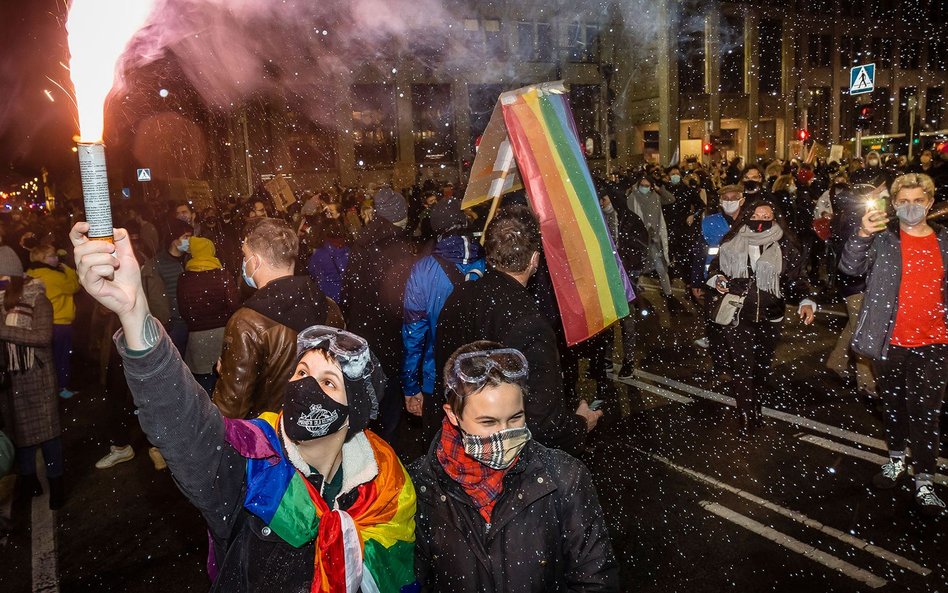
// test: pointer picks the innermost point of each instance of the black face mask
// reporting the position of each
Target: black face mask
(308, 413)
(759, 226)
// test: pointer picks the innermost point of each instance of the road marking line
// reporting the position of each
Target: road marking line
(860, 454)
(800, 421)
(797, 516)
(675, 397)
(828, 560)
(43, 526)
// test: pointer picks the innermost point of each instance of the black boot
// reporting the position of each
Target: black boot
(28, 487)
(57, 493)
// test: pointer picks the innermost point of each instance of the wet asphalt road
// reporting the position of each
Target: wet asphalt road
(691, 505)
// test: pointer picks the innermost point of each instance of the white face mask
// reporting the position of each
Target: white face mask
(730, 207)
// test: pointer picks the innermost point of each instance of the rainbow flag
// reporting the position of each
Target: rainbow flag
(591, 285)
(370, 547)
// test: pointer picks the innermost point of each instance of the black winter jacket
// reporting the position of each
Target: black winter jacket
(547, 533)
(499, 308)
(373, 290)
(763, 306)
(880, 256)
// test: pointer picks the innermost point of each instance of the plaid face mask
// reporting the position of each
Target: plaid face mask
(497, 450)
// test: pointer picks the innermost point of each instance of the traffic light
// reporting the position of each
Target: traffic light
(708, 148)
(803, 135)
(863, 116)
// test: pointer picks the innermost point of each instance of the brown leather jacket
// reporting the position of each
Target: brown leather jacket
(260, 344)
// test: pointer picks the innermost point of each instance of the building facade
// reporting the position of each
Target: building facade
(647, 79)
(753, 74)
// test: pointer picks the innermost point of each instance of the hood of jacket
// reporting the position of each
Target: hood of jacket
(293, 301)
(459, 249)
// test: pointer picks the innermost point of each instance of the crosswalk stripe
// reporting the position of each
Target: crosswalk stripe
(828, 560)
(43, 528)
(859, 454)
(800, 421)
(796, 516)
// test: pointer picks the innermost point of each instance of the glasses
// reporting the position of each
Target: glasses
(474, 368)
(350, 350)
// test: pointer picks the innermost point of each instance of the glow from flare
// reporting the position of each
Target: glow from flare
(99, 31)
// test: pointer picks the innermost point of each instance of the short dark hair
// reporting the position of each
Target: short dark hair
(273, 240)
(511, 239)
(495, 377)
(175, 229)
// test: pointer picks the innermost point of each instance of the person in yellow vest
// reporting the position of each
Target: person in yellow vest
(61, 284)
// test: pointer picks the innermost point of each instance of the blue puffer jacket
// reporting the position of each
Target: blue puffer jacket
(327, 266)
(425, 294)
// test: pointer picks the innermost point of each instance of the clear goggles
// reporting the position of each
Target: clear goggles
(350, 350)
(473, 368)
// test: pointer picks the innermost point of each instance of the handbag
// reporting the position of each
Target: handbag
(726, 310)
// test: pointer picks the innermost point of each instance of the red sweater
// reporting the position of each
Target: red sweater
(920, 318)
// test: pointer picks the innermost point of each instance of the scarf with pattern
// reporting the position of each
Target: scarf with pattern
(483, 484)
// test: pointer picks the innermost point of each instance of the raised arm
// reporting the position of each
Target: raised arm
(173, 409)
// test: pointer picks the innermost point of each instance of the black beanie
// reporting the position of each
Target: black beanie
(446, 215)
(174, 229)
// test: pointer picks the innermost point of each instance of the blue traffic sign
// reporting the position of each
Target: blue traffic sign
(144, 174)
(862, 79)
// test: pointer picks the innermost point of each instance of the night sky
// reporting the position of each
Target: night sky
(33, 130)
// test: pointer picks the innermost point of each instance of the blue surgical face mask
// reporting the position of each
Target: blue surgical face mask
(676, 179)
(911, 214)
(243, 272)
(185, 245)
(644, 189)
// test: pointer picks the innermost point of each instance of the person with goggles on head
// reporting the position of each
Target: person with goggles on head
(498, 511)
(305, 499)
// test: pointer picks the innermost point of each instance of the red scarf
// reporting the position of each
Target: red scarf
(480, 482)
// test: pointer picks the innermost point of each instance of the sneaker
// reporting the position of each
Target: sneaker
(66, 393)
(116, 456)
(928, 502)
(157, 459)
(627, 371)
(890, 475)
(703, 343)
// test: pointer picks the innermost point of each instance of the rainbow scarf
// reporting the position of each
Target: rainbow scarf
(369, 546)
(592, 288)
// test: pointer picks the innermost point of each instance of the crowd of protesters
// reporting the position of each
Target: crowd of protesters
(267, 342)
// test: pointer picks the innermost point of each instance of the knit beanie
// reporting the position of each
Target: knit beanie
(390, 205)
(446, 215)
(10, 264)
(174, 229)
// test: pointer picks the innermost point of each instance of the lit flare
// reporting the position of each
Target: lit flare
(99, 31)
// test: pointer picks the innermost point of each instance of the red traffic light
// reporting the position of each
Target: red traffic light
(707, 148)
(803, 135)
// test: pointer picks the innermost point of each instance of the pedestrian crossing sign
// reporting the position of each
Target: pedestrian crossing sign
(144, 174)
(862, 79)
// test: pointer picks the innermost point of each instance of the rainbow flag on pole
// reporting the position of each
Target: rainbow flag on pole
(591, 285)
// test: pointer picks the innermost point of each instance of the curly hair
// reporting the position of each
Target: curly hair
(511, 239)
